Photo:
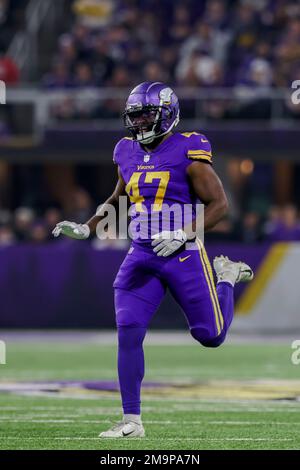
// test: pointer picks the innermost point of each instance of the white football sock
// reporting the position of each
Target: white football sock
(135, 418)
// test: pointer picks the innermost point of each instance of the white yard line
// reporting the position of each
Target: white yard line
(168, 410)
(261, 404)
(160, 439)
(147, 422)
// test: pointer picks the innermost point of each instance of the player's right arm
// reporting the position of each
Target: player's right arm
(83, 231)
(113, 200)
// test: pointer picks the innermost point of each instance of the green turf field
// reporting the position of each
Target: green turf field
(235, 397)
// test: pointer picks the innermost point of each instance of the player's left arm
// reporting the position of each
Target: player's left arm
(208, 187)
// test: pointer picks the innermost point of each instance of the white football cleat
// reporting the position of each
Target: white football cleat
(231, 271)
(122, 429)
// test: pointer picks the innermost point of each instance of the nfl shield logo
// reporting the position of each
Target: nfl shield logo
(146, 158)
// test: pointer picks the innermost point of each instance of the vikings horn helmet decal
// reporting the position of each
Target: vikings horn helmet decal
(152, 110)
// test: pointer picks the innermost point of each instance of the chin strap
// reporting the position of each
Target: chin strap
(146, 140)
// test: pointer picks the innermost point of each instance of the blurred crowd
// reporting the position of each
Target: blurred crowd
(253, 46)
(28, 225)
(250, 47)
(12, 19)
(280, 224)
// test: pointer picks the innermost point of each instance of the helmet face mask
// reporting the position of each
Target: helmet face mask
(152, 110)
(144, 124)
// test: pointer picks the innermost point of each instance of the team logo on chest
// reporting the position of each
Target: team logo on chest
(146, 158)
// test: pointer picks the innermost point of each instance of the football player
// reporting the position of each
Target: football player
(158, 167)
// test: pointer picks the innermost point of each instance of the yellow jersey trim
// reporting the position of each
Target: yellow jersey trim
(188, 134)
(200, 151)
(199, 157)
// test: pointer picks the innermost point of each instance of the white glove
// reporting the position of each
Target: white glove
(165, 243)
(72, 230)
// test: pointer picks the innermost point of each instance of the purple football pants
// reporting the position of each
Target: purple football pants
(140, 286)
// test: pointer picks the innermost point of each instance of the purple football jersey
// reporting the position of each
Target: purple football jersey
(157, 182)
